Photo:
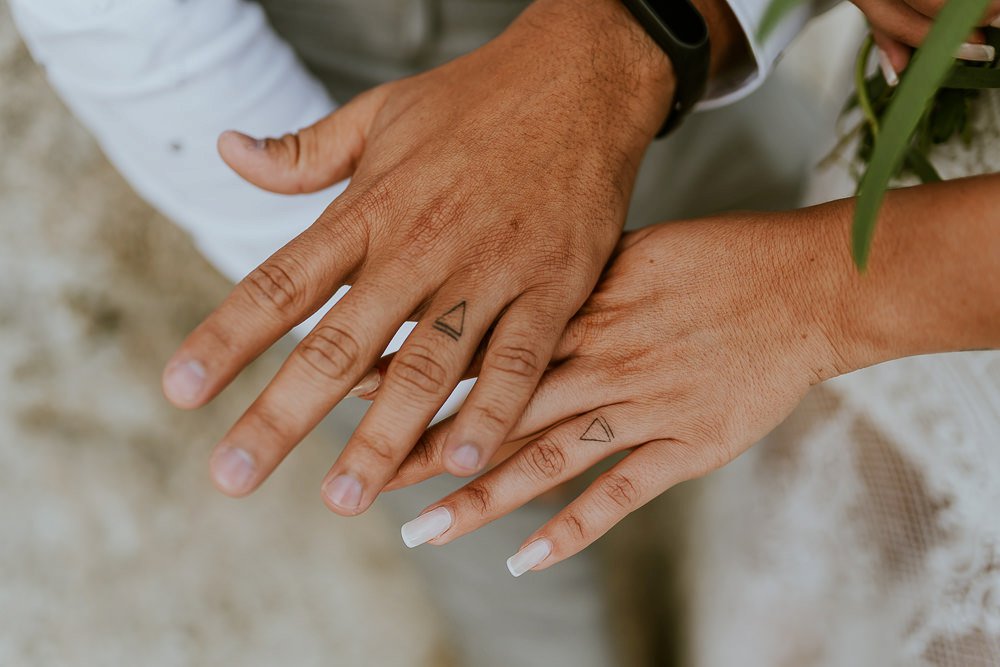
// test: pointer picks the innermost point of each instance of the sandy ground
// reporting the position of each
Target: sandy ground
(115, 550)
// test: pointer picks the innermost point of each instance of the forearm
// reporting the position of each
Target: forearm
(933, 284)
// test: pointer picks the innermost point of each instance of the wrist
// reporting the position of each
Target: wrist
(928, 286)
(622, 66)
(814, 280)
(923, 291)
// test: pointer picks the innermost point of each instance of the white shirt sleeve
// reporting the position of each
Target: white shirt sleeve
(765, 53)
(156, 82)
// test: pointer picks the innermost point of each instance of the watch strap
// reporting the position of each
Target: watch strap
(681, 32)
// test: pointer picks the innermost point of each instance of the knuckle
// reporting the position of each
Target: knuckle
(330, 351)
(479, 497)
(292, 145)
(268, 423)
(574, 525)
(544, 460)
(374, 203)
(272, 287)
(702, 450)
(298, 151)
(416, 369)
(429, 227)
(306, 143)
(426, 453)
(222, 337)
(376, 450)
(565, 256)
(424, 231)
(491, 418)
(621, 365)
(514, 360)
(619, 490)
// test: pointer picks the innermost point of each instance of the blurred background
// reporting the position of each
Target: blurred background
(114, 547)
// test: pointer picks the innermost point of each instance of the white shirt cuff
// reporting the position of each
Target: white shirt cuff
(749, 14)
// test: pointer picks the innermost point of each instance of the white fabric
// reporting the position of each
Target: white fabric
(865, 529)
(766, 53)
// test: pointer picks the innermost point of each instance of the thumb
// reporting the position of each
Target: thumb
(305, 161)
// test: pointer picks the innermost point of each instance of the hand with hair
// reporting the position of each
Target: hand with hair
(704, 335)
(486, 197)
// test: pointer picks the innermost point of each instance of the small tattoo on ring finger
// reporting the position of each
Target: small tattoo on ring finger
(598, 431)
(452, 323)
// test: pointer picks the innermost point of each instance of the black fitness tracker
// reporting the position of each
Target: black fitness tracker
(680, 30)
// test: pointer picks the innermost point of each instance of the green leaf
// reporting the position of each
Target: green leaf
(973, 77)
(930, 67)
(921, 166)
(948, 115)
(773, 16)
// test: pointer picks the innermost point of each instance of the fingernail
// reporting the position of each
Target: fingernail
(888, 71)
(466, 457)
(184, 381)
(529, 557)
(996, 22)
(980, 53)
(233, 470)
(426, 527)
(250, 143)
(368, 384)
(345, 492)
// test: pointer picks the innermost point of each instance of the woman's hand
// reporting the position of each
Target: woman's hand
(899, 26)
(701, 337)
(486, 195)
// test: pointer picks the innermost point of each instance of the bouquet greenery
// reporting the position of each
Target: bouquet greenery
(930, 106)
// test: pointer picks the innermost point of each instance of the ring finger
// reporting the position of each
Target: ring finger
(564, 392)
(416, 383)
(544, 463)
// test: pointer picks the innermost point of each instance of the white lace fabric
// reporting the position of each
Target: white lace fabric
(866, 529)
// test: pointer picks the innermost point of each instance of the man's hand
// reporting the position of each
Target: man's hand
(486, 197)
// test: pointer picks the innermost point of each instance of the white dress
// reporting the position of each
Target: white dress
(866, 529)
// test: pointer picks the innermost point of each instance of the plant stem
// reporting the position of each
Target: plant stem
(859, 83)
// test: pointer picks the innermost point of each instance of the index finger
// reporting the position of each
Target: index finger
(282, 292)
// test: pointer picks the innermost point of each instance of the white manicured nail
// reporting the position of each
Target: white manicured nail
(529, 557)
(980, 53)
(426, 527)
(888, 71)
(996, 22)
(368, 384)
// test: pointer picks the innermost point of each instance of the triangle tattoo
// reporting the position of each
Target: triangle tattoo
(598, 431)
(452, 323)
